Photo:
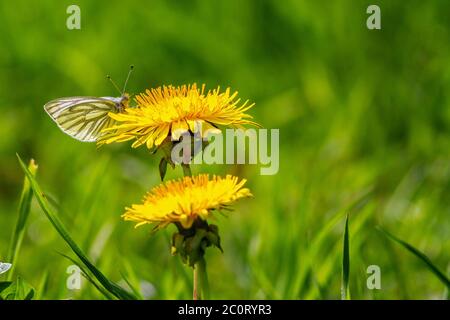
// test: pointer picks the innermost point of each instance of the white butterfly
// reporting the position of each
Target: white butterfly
(84, 118)
(4, 267)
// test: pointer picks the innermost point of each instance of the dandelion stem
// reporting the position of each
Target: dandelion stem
(201, 285)
(204, 284)
(195, 293)
(200, 279)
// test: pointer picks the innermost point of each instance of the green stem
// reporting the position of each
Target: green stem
(200, 279)
(203, 276)
(186, 170)
(196, 294)
(201, 285)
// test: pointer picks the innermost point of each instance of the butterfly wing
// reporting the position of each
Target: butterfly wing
(83, 118)
(4, 267)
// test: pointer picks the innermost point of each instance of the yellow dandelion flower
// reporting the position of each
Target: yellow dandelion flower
(169, 111)
(183, 201)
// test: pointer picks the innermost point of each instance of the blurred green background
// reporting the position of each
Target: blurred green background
(360, 112)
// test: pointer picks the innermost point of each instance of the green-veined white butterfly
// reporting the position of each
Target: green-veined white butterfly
(4, 267)
(84, 118)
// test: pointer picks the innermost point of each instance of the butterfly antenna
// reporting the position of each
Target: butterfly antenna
(113, 83)
(128, 77)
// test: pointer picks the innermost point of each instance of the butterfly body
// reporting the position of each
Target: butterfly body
(84, 118)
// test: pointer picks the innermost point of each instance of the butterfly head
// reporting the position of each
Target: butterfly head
(124, 100)
(125, 97)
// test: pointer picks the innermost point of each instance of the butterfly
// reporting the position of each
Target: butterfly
(84, 118)
(4, 267)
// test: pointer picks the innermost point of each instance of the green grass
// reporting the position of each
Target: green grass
(364, 123)
(345, 289)
(22, 216)
(107, 284)
(420, 255)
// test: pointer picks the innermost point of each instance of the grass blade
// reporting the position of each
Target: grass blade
(110, 286)
(357, 204)
(23, 213)
(88, 277)
(42, 286)
(132, 287)
(17, 290)
(345, 290)
(435, 270)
